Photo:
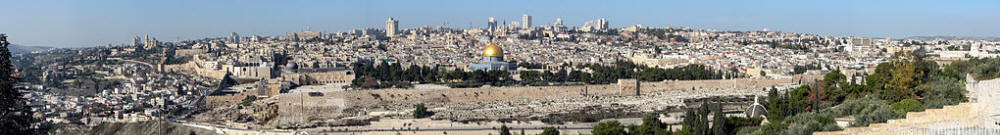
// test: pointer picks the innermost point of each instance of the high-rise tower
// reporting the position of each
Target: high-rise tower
(526, 21)
(234, 38)
(558, 26)
(391, 26)
(491, 25)
(603, 23)
(558, 23)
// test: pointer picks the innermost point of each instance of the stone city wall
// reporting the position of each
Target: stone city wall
(192, 68)
(231, 99)
(466, 95)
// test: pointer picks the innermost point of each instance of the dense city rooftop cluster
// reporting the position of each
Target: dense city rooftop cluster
(150, 79)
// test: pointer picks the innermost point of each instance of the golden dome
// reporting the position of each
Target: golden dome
(493, 50)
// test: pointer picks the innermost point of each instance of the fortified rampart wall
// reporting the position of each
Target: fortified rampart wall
(466, 95)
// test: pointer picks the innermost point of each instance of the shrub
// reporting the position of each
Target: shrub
(943, 91)
(650, 125)
(420, 111)
(807, 123)
(772, 128)
(733, 124)
(550, 131)
(907, 105)
(504, 130)
(248, 100)
(865, 111)
(608, 128)
(874, 115)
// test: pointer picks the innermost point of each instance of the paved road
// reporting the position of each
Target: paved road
(228, 130)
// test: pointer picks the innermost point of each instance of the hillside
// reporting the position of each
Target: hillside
(927, 38)
(145, 128)
(15, 48)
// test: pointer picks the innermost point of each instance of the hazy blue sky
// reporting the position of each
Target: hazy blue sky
(98, 22)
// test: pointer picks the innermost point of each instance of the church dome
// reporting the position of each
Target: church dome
(756, 109)
(493, 50)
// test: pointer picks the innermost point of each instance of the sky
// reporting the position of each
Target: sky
(79, 23)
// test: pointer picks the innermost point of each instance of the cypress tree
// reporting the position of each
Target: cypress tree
(15, 114)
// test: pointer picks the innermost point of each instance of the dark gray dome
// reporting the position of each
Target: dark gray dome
(755, 109)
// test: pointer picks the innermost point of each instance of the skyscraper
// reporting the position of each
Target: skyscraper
(603, 23)
(558, 26)
(558, 23)
(491, 25)
(255, 38)
(390, 27)
(526, 21)
(150, 42)
(234, 38)
(136, 41)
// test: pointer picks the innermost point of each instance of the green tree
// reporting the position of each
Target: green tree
(719, 121)
(773, 128)
(15, 114)
(504, 130)
(798, 100)
(809, 122)
(550, 131)
(531, 76)
(733, 124)
(899, 86)
(696, 120)
(908, 71)
(865, 111)
(834, 77)
(778, 106)
(943, 91)
(907, 105)
(650, 126)
(420, 111)
(608, 128)
(830, 84)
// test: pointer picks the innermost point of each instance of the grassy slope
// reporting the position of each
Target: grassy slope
(146, 128)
